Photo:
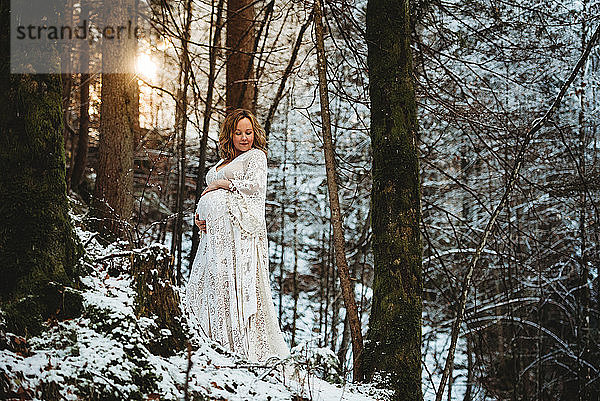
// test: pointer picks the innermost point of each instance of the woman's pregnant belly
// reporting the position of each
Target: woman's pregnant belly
(212, 205)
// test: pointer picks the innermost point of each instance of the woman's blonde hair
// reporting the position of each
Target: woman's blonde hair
(226, 148)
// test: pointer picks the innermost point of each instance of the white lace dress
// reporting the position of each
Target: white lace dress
(228, 294)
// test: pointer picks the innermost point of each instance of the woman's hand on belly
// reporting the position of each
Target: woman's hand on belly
(212, 205)
(200, 223)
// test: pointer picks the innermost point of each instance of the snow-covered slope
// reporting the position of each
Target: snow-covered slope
(103, 355)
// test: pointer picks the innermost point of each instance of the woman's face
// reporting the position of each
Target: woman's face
(243, 136)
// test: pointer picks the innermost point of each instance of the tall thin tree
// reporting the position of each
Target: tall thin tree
(180, 131)
(217, 22)
(336, 217)
(84, 108)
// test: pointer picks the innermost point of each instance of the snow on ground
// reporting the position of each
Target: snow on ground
(103, 355)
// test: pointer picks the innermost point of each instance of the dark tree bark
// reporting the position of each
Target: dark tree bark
(84, 127)
(38, 250)
(336, 217)
(280, 278)
(251, 70)
(393, 346)
(180, 133)
(113, 194)
(212, 62)
(240, 46)
(84, 111)
(295, 292)
(67, 86)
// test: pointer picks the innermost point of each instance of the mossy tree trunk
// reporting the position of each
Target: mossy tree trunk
(393, 346)
(38, 250)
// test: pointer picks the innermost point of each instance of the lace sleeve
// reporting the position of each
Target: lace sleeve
(246, 203)
(252, 179)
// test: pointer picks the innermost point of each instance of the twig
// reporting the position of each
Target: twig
(272, 368)
(90, 240)
(118, 255)
(286, 74)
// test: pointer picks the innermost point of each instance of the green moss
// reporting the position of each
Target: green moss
(156, 296)
(24, 316)
(101, 319)
(144, 380)
(37, 244)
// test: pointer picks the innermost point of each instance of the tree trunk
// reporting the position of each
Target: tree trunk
(341, 355)
(360, 254)
(180, 134)
(251, 70)
(393, 346)
(295, 284)
(67, 86)
(282, 237)
(113, 194)
(240, 45)
(212, 61)
(322, 311)
(336, 218)
(335, 309)
(295, 293)
(38, 250)
(135, 88)
(328, 267)
(84, 110)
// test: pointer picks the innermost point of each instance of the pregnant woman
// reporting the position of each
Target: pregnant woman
(228, 295)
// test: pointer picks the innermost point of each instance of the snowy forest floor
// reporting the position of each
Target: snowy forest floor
(104, 355)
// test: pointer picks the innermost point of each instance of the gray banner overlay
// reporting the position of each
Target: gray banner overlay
(87, 37)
